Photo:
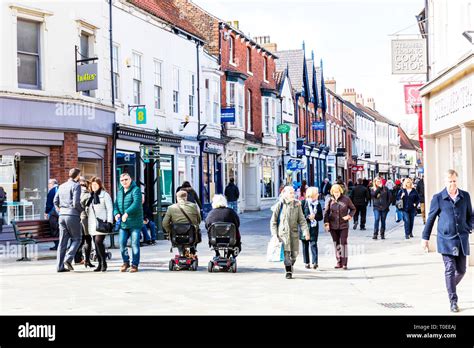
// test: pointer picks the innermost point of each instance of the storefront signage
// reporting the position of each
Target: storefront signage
(292, 164)
(189, 149)
(301, 165)
(227, 115)
(321, 125)
(252, 149)
(141, 115)
(299, 147)
(341, 161)
(409, 56)
(86, 77)
(213, 147)
(331, 160)
(283, 128)
(412, 97)
(453, 106)
(357, 168)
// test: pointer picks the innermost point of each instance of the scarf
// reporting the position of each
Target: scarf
(312, 205)
(94, 197)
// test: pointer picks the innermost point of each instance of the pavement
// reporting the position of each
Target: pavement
(385, 277)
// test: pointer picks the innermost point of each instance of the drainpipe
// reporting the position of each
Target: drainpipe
(199, 122)
(111, 54)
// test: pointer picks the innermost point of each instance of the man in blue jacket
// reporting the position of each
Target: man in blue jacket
(454, 209)
(50, 213)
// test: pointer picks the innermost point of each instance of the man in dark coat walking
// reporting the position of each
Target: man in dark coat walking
(232, 195)
(420, 188)
(360, 196)
(453, 208)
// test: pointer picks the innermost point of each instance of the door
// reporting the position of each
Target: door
(251, 189)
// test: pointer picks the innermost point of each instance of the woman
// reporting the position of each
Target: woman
(338, 212)
(410, 201)
(396, 189)
(220, 213)
(99, 206)
(381, 204)
(87, 239)
(313, 213)
(301, 193)
(287, 216)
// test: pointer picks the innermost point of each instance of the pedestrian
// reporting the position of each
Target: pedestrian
(350, 187)
(301, 192)
(396, 189)
(100, 206)
(339, 210)
(453, 208)
(50, 212)
(381, 206)
(128, 209)
(390, 184)
(86, 243)
(360, 196)
(148, 223)
(192, 195)
(67, 203)
(287, 216)
(369, 186)
(183, 212)
(420, 189)
(232, 195)
(410, 199)
(221, 213)
(325, 188)
(313, 213)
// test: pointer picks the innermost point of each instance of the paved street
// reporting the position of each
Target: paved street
(394, 272)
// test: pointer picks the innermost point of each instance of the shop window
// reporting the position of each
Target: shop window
(90, 168)
(267, 182)
(166, 179)
(127, 163)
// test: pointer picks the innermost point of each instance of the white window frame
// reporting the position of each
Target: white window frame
(216, 110)
(265, 72)
(175, 90)
(192, 94)
(231, 50)
(207, 96)
(116, 70)
(137, 77)
(158, 84)
(249, 96)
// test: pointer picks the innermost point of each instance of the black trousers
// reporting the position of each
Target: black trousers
(100, 249)
(362, 210)
(455, 269)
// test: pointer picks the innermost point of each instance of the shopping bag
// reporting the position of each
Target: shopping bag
(275, 252)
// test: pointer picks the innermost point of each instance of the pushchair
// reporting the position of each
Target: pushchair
(185, 238)
(223, 237)
(108, 254)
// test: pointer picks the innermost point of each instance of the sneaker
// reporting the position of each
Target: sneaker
(374, 236)
(355, 226)
(411, 235)
(288, 275)
(63, 270)
(124, 267)
(315, 266)
(133, 269)
(454, 307)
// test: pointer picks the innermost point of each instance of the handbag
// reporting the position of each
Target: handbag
(188, 227)
(399, 204)
(101, 225)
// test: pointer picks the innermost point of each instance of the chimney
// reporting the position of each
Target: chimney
(370, 103)
(331, 84)
(349, 95)
(265, 42)
(360, 99)
(234, 24)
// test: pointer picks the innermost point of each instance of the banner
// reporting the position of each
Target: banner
(412, 97)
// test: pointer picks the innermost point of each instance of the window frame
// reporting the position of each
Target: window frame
(137, 82)
(38, 85)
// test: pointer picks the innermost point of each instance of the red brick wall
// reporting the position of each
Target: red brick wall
(63, 158)
(107, 179)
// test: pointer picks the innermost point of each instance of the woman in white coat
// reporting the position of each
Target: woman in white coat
(99, 206)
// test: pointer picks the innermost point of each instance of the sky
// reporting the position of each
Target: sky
(353, 37)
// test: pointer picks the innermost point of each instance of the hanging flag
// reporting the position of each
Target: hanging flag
(315, 88)
(323, 92)
(305, 93)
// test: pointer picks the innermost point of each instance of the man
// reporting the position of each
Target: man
(67, 202)
(232, 195)
(325, 187)
(360, 196)
(50, 213)
(177, 212)
(420, 188)
(454, 209)
(148, 223)
(128, 208)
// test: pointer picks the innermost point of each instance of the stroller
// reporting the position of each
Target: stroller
(185, 238)
(223, 237)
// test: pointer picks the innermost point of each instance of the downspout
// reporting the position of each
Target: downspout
(111, 54)
(199, 123)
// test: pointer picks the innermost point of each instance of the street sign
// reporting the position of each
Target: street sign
(141, 115)
(228, 115)
(321, 125)
(283, 128)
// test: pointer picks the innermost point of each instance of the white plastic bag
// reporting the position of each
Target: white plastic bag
(275, 250)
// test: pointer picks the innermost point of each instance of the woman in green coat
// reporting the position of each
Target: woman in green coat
(287, 216)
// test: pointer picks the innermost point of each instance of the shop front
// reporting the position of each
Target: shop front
(331, 167)
(188, 163)
(212, 169)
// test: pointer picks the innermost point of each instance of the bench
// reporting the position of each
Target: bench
(32, 232)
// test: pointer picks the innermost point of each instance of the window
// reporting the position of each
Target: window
(231, 50)
(266, 115)
(158, 87)
(240, 114)
(28, 54)
(191, 94)
(215, 101)
(249, 59)
(115, 65)
(175, 90)
(208, 100)
(265, 75)
(137, 78)
(273, 115)
(84, 53)
(249, 112)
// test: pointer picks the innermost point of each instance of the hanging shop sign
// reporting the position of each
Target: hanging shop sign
(86, 77)
(299, 147)
(228, 115)
(283, 128)
(213, 147)
(141, 115)
(409, 56)
(412, 97)
(318, 125)
(331, 160)
(292, 164)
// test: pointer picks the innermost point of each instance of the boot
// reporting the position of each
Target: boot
(289, 271)
(382, 234)
(104, 266)
(375, 235)
(355, 225)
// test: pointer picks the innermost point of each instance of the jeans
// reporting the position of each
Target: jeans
(408, 220)
(380, 216)
(124, 235)
(455, 268)
(399, 214)
(313, 245)
(69, 228)
(233, 205)
(151, 225)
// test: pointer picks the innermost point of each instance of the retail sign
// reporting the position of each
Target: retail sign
(299, 147)
(213, 147)
(318, 125)
(283, 128)
(186, 149)
(228, 115)
(141, 115)
(409, 56)
(412, 97)
(331, 160)
(301, 165)
(357, 168)
(292, 164)
(86, 77)
(251, 149)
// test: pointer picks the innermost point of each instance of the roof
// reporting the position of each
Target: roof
(169, 12)
(375, 114)
(351, 106)
(279, 79)
(405, 142)
(293, 59)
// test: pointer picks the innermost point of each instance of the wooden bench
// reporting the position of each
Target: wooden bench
(32, 232)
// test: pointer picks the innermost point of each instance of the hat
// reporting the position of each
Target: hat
(398, 182)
